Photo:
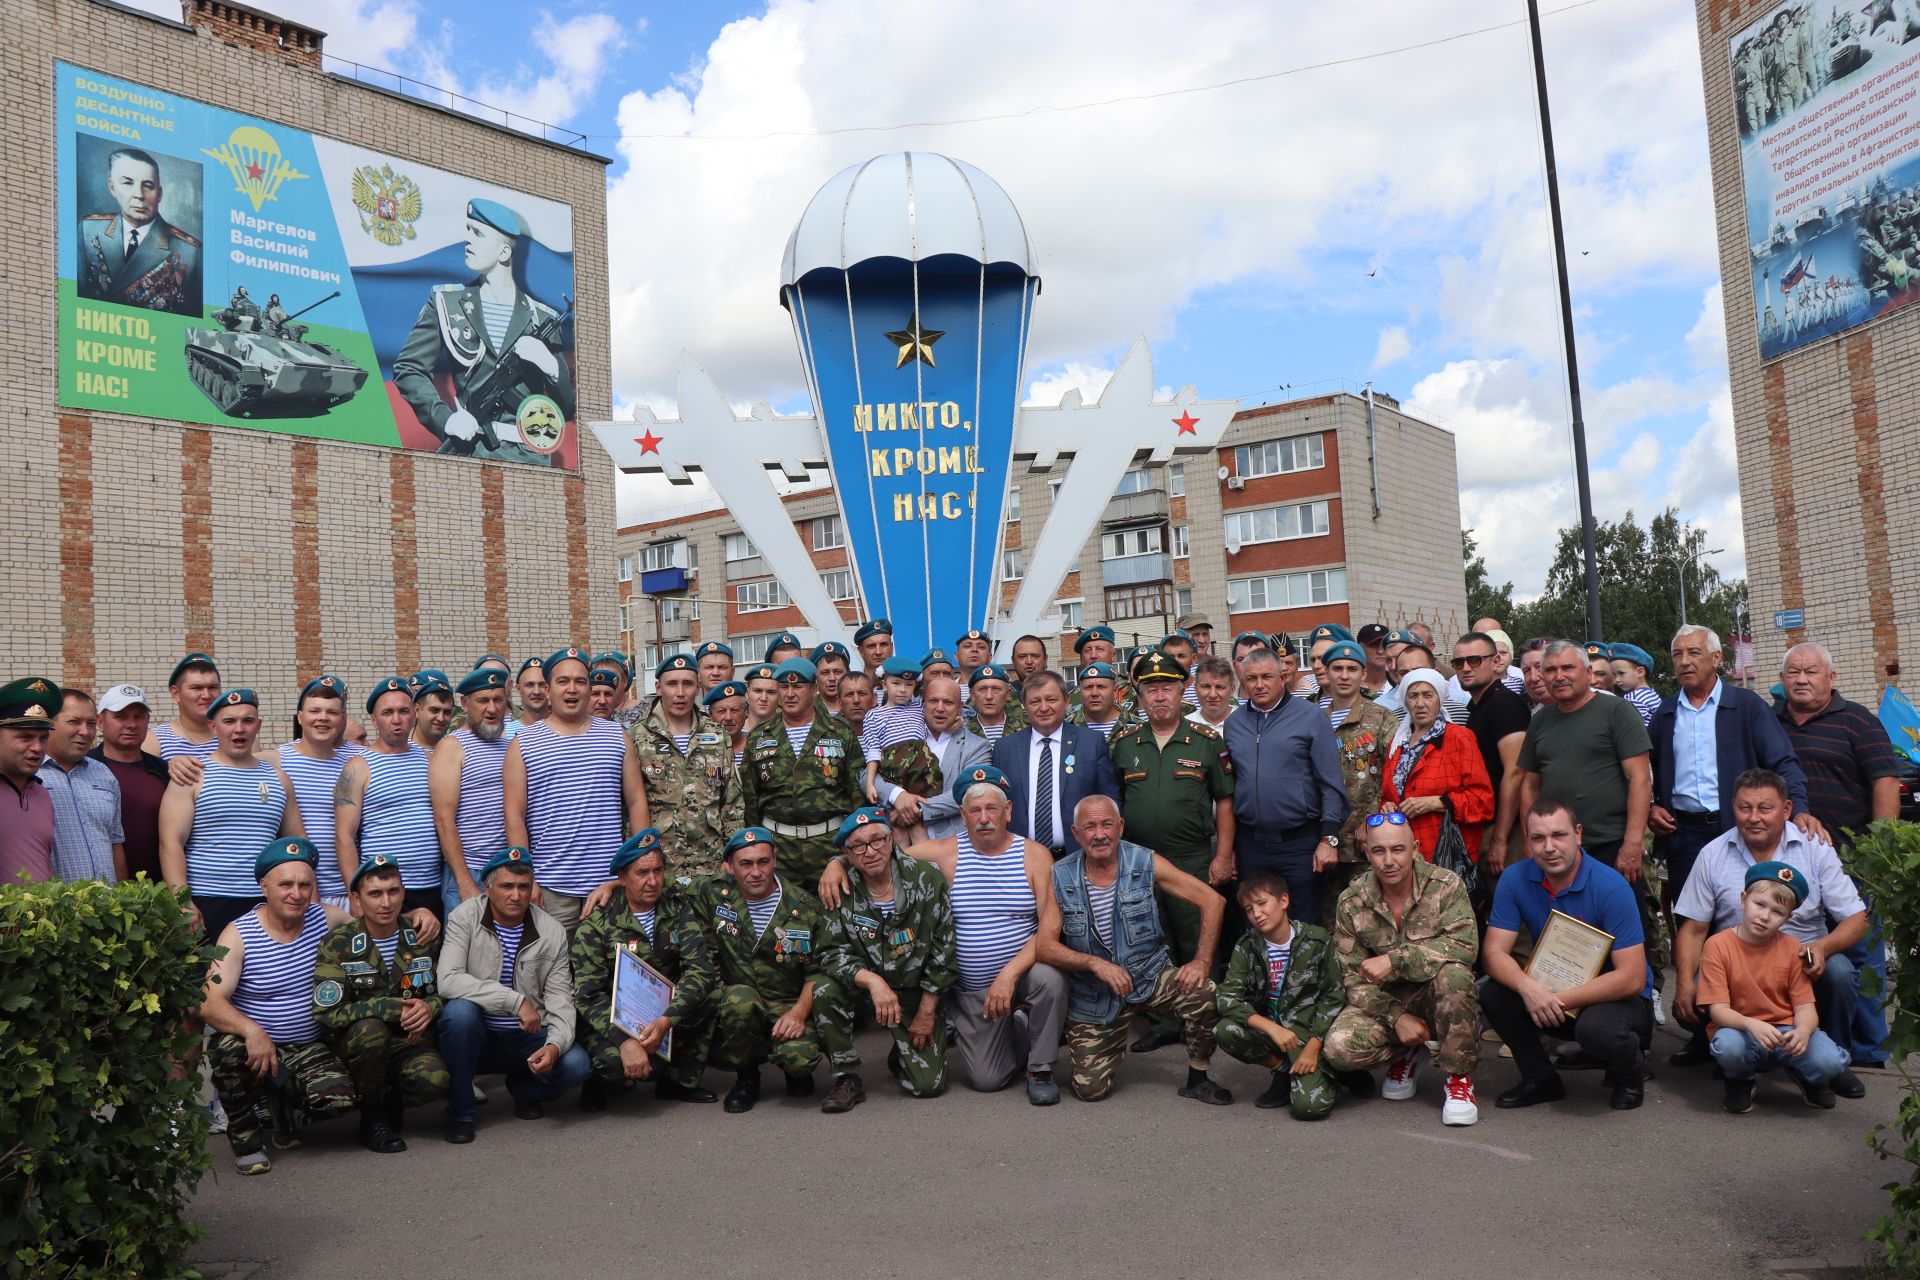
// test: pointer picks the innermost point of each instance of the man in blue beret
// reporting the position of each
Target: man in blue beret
(1096, 648)
(193, 684)
(686, 765)
(992, 711)
(726, 705)
(831, 662)
(1097, 701)
(713, 663)
(874, 640)
(973, 650)
(464, 786)
(602, 687)
(432, 708)
(784, 645)
(801, 775)
(383, 803)
(503, 352)
(620, 706)
(536, 701)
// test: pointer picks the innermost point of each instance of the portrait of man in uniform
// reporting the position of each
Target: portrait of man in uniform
(501, 351)
(132, 255)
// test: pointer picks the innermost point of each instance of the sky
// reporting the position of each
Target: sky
(1361, 201)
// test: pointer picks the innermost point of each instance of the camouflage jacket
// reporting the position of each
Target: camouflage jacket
(1125, 702)
(1016, 719)
(1364, 737)
(777, 963)
(1438, 927)
(914, 947)
(351, 981)
(821, 784)
(1311, 995)
(694, 799)
(678, 949)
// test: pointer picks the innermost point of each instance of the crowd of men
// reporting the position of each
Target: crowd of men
(1328, 855)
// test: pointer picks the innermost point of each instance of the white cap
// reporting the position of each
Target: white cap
(122, 696)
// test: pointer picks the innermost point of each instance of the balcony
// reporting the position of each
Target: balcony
(672, 629)
(1127, 571)
(1148, 506)
(663, 582)
(751, 567)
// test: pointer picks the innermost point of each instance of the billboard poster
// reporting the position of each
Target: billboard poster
(222, 269)
(1827, 97)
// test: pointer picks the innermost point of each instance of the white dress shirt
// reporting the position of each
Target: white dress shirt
(1033, 781)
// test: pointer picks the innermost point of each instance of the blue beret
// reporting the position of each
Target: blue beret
(758, 671)
(392, 684)
(485, 658)
(191, 660)
(862, 817)
(719, 692)
(325, 686)
(975, 776)
(615, 657)
(1098, 671)
(934, 656)
(1252, 637)
(1779, 873)
(975, 634)
(285, 849)
(1344, 651)
(235, 698)
(497, 216)
(513, 855)
(638, 845)
(1631, 653)
(795, 671)
(830, 649)
(482, 678)
(1598, 649)
(673, 662)
(604, 679)
(428, 680)
(372, 862)
(572, 653)
(1328, 631)
(1098, 631)
(872, 627)
(900, 665)
(785, 640)
(535, 664)
(747, 836)
(988, 671)
(1402, 637)
(711, 647)
(1176, 634)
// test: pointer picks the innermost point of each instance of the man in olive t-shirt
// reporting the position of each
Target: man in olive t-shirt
(1591, 752)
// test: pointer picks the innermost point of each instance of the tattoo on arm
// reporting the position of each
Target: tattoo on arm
(343, 791)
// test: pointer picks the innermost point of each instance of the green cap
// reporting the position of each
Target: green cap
(31, 702)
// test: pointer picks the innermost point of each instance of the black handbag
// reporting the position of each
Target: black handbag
(1450, 851)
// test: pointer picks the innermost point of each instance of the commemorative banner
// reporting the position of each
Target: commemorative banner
(222, 269)
(1827, 98)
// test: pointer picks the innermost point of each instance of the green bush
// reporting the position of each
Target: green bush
(1885, 863)
(99, 1150)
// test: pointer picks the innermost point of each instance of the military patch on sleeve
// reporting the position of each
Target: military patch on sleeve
(409, 937)
(359, 943)
(327, 994)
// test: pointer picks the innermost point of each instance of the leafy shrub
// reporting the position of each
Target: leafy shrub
(99, 1150)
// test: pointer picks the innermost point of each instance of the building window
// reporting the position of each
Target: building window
(1130, 542)
(1177, 480)
(1278, 457)
(626, 571)
(626, 615)
(1053, 492)
(828, 534)
(1183, 601)
(1137, 602)
(1134, 481)
(1277, 524)
(1073, 614)
(740, 547)
(1013, 503)
(679, 609)
(1180, 542)
(661, 555)
(839, 583)
(1013, 564)
(748, 650)
(754, 596)
(1071, 673)
(1287, 590)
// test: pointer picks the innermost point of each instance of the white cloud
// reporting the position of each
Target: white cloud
(1707, 340)
(1076, 375)
(1394, 346)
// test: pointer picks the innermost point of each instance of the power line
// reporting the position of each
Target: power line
(1092, 104)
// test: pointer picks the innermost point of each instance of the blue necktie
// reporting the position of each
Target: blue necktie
(1043, 796)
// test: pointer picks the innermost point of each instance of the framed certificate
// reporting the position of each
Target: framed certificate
(640, 994)
(1569, 953)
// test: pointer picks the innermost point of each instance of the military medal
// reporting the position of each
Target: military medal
(264, 794)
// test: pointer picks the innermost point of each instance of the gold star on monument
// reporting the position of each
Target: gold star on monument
(915, 342)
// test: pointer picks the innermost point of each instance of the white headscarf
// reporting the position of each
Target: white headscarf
(1429, 677)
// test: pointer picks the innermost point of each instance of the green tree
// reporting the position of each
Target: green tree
(1484, 600)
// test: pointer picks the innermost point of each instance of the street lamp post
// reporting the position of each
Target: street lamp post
(1680, 569)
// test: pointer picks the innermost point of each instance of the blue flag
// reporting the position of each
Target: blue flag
(1902, 723)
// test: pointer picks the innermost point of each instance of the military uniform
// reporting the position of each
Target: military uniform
(1432, 948)
(760, 977)
(1364, 738)
(912, 949)
(1016, 719)
(162, 275)
(680, 951)
(311, 1084)
(1311, 995)
(802, 798)
(695, 799)
(451, 336)
(1167, 794)
(356, 1002)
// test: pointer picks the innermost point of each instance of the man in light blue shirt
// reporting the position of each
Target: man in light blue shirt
(88, 843)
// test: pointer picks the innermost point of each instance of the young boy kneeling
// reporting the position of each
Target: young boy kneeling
(1282, 991)
(1753, 980)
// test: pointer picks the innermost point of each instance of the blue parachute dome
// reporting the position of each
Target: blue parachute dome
(910, 205)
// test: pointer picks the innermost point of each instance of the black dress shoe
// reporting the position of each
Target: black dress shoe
(1155, 1038)
(1694, 1053)
(1847, 1084)
(1628, 1097)
(745, 1092)
(666, 1090)
(1531, 1093)
(799, 1086)
(593, 1097)
(376, 1136)
(1816, 1095)
(527, 1110)
(459, 1132)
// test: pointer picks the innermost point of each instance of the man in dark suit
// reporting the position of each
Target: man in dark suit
(134, 256)
(1051, 766)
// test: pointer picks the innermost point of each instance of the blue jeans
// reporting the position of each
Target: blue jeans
(470, 1047)
(1742, 1058)
(1867, 1041)
(1837, 993)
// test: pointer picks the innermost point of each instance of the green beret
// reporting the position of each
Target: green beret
(721, 692)
(989, 671)
(572, 653)
(865, 816)
(325, 686)
(482, 678)
(31, 702)
(711, 647)
(674, 662)
(900, 665)
(235, 698)
(830, 649)
(795, 671)
(513, 855)
(1099, 631)
(392, 684)
(746, 836)
(1158, 667)
(1779, 873)
(372, 862)
(195, 659)
(973, 777)
(871, 628)
(285, 849)
(638, 845)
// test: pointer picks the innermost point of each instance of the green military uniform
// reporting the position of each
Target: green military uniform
(163, 273)
(912, 949)
(1127, 713)
(1016, 719)
(314, 1085)
(694, 800)
(1432, 948)
(1168, 795)
(679, 950)
(1312, 993)
(761, 977)
(1364, 738)
(356, 1003)
(802, 798)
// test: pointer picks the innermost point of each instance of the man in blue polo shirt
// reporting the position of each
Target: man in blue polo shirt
(1611, 1014)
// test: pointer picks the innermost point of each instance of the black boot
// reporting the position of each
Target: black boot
(374, 1133)
(396, 1110)
(593, 1097)
(745, 1091)
(1279, 1093)
(800, 1086)
(666, 1089)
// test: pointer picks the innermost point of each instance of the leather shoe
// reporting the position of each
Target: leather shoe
(848, 1092)
(666, 1090)
(376, 1136)
(1815, 1095)
(593, 1098)
(1154, 1038)
(745, 1092)
(1209, 1092)
(1531, 1093)
(459, 1132)
(1041, 1090)
(527, 1110)
(1694, 1053)
(1847, 1084)
(1628, 1097)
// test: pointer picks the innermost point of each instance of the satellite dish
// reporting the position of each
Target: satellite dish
(1224, 472)
(1233, 546)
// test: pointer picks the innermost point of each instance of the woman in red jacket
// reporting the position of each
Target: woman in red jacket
(1431, 759)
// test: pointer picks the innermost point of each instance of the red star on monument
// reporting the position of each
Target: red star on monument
(255, 172)
(649, 443)
(1187, 422)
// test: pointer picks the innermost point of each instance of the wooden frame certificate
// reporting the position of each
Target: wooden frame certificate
(641, 993)
(1569, 953)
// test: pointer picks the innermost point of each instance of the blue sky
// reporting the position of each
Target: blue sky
(1235, 227)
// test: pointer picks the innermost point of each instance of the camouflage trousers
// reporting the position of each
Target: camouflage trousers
(922, 1072)
(743, 1035)
(1450, 1005)
(309, 1084)
(1311, 1095)
(378, 1057)
(912, 766)
(1182, 922)
(691, 1040)
(802, 860)
(1095, 1049)
(1660, 931)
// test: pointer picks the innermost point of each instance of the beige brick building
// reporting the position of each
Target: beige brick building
(135, 539)
(1296, 505)
(1827, 436)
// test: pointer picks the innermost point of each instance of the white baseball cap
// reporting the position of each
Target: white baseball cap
(122, 696)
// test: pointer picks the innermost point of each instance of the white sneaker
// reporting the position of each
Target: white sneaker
(1659, 1014)
(479, 1095)
(1460, 1108)
(1403, 1074)
(216, 1117)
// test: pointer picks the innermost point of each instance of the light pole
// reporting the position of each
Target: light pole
(1680, 568)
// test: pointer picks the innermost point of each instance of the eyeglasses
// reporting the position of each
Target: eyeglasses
(1397, 819)
(1471, 659)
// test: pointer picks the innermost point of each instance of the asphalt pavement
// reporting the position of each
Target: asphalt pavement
(1144, 1183)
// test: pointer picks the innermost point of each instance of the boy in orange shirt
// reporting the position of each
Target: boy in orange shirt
(1753, 980)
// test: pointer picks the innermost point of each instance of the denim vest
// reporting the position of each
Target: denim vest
(1140, 946)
